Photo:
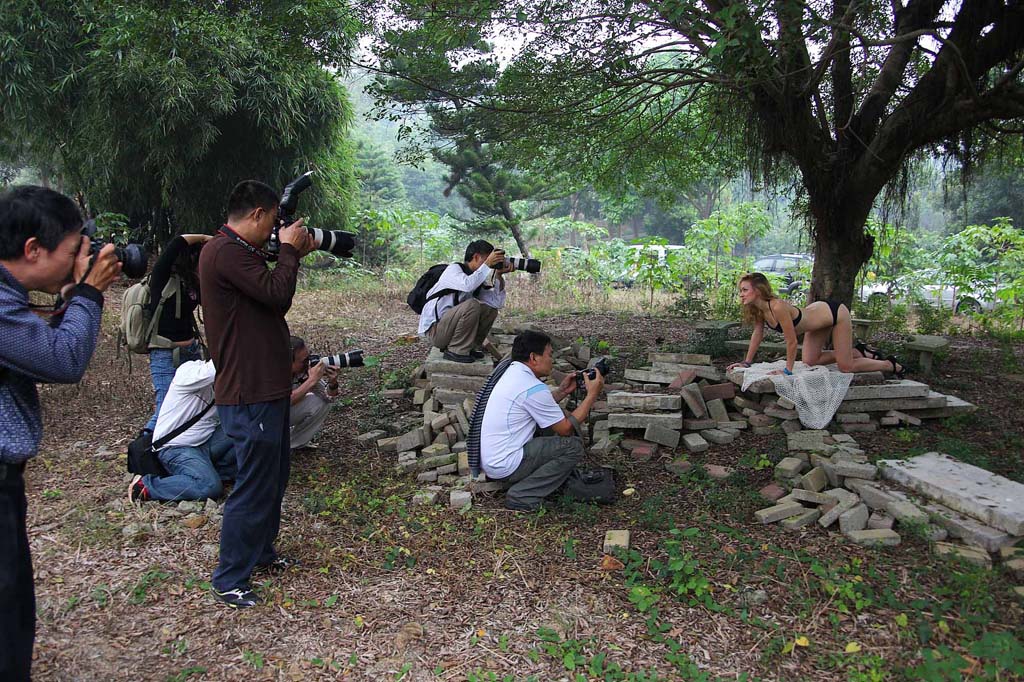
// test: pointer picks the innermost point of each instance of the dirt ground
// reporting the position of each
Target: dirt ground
(390, 591)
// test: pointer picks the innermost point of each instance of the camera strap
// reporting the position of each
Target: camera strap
(228, 232)
(182, 428)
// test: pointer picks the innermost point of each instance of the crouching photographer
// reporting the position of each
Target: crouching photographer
(515, 403)
(314, 388)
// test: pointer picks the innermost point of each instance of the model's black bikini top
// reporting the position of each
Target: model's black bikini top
(778, 327)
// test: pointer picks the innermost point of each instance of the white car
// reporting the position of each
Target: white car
(938, 295)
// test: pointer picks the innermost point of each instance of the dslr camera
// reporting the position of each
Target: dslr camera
(353, 358)
(133, 257)
(600, 365)
(530, 265)
(333, 241)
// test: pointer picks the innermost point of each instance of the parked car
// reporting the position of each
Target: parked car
(793, 268)
(915, 287)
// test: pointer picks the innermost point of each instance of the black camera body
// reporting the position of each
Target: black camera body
(353, 358)
(599, 365)
(333, 241)
(133, 257)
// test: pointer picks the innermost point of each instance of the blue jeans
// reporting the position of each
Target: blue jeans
(252, 513)
(162, 368)
(195, 472)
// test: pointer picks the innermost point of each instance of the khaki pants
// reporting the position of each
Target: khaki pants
(307, 418)
(464, 327)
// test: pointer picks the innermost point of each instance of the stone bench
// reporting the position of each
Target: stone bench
(717, 325)
(923, 347)
(862, 328)
(775, 347)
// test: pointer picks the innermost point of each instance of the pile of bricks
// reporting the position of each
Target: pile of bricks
(828, 480)
(871, 401)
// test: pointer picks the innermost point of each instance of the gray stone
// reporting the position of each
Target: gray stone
(789, 467)
(764, 430)
(426, 497)
(785, 403)
(457, 382)
(602, 447)
(762, 420)
(447, 469)
(615, 540)
(854, 470)
(459, 447)
(853, 418)
(842, 495)
(814, 480)
(804, 519)
(460, 499)
(699, 424)
(906, 512)
(934, 400)
(370, 436)
(718, 436)
(880, 520)
(898, 388)
(833, 514)
(780, 413)
(792, 426)
(971, 531)
(972, 555)
(859, 428)
(971, 490)
(934, 533)
(694, 442)
(661, 435)
(639, 420)
(844, 438)
(803, 495)
(873, 496)
(779, 512)
(694, 400)
(425, 463)
(435, 450)
(809, 440)
(679, 358)
(855, 518)
(880, 537)
(679, 465)
(717, 411)
(427, 476)
(413, 440)
(742, 403)
(644, 401)
(733, 425)
(834, 479)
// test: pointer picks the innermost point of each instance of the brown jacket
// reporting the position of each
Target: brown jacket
(244, 304)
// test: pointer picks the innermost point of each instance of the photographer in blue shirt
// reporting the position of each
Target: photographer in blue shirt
(41, 249)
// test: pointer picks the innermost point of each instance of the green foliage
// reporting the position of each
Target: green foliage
(155, 111)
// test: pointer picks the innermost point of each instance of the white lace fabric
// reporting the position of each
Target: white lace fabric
(816, 391)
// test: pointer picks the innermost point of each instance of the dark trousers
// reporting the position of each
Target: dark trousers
(17, 593)
(252, 513)
(547, 462)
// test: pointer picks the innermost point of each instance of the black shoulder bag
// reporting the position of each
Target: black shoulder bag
(142, 452)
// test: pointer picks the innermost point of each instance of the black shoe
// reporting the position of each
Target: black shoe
(137, 492)
(277, 566)
(455, 357)
(868, 352)
(516, 506)
(478, 354)
(901, 373)
(238, 598)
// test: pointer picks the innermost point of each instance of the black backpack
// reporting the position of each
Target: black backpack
(417, 298)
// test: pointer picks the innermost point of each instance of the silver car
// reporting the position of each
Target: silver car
(962, 301)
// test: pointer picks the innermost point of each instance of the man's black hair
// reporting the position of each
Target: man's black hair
(297, 343)
(481, 246)
(251, 194)
(30, 211)
(529, 342)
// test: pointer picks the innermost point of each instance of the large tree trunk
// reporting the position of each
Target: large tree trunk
(841, 247)
(512, 220)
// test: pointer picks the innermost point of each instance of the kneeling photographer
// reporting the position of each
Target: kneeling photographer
(314, 388)
(517, 405)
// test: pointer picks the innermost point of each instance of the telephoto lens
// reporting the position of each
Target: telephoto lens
(530, 265)
(333, 241)
(353, 358)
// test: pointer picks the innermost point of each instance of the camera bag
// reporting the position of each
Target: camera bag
(592, 484)
(142, 452)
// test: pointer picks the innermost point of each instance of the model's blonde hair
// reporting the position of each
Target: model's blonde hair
(751, 313)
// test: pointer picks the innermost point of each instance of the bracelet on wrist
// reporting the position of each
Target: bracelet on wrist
(745, 363)
(787, 371)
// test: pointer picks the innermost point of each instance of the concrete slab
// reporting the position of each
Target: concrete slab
(640, 420)
(971, 490)
(898, 388)
(644, 401)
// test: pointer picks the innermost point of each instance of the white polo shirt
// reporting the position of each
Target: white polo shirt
(519, 404)
(190, 392)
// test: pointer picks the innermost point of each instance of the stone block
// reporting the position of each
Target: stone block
(785, 403)
(971, 531)
(880, 537)
(662, 436)
(972, 555)
(855, 470)
(694, 442)
(934, 400)
(853, 418)
(934, 533)
(1008, 552)
(888, 421)
(678, 466)
(419, 396)
(460, 499)
(726, 391)
(672, 370)
(890, 390)
(426, 497)
(644, 401)
(808, 440)
(971, 490)
(780, 413)
(447, 469)
(904, 418)
(652, 388)
(792, 426)
(717, 471)
(438, 423)
(615, 540)
(463, 463)
(778, 512)
(679, 358)
(762, 420)
(833, 514)
(694, 400)
(699, 424)
(485, 487)
(640, 420)
(764, 430)
(743, 403)
(855, 518)
(717, 411)
(602, 447)
(457, 382)
(859, 428)
(772, 492)
(801, 520)
(873, 496)
(906, 512)
(685, 377)
(718, 436)
(427, 476)
(413, 440)
(842, 495)
(812, 497)
(435, 450)
(459, 446)
(370, 436)
(425, 463)
(880, 520)
(814, 480)
(388, 444)
(733, 425)
(789, 467)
